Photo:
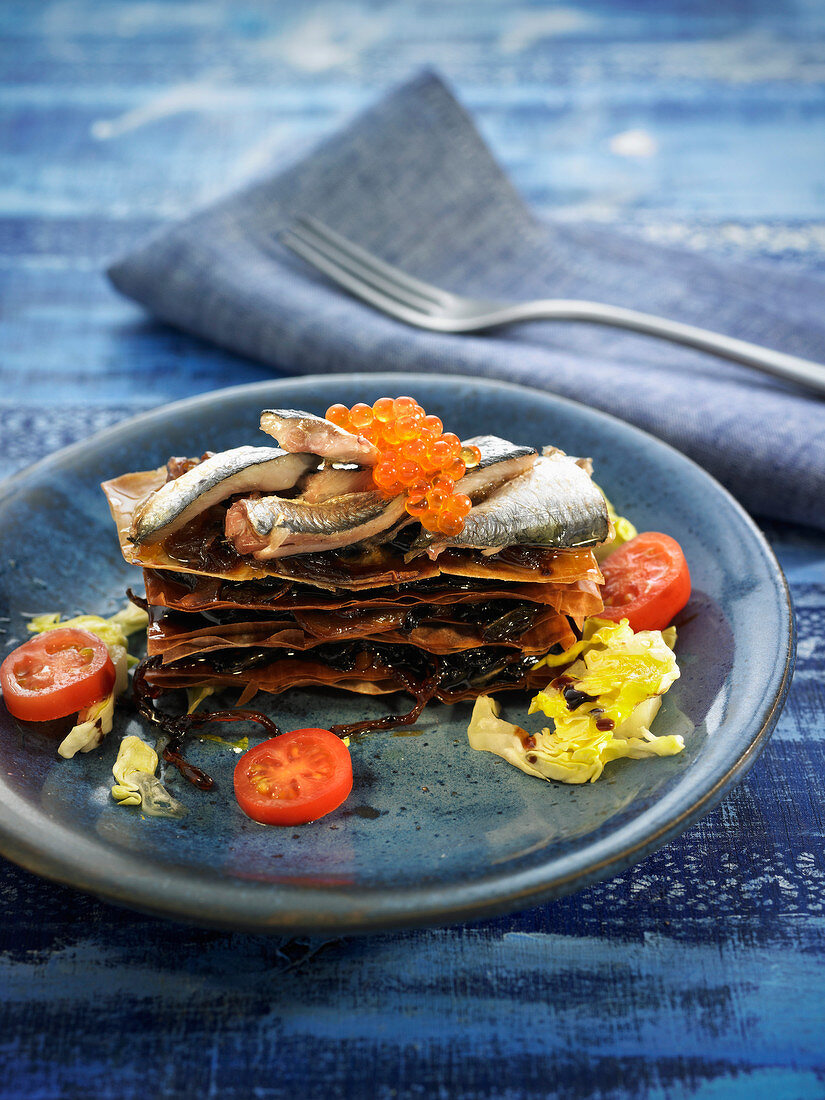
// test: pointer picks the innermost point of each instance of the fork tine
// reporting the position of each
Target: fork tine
(360, 273)
(353, 283)
(344, 247)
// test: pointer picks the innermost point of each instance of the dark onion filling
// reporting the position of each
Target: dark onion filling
(470, 669)
(500, 620)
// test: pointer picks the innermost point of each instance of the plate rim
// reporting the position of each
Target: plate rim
(375, 909)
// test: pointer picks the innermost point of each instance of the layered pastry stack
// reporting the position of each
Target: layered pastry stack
(268, 568)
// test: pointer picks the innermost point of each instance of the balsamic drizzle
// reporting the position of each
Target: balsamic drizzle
(177, 726)
(422, 693)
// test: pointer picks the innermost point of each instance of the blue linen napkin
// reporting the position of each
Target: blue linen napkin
(412, 180)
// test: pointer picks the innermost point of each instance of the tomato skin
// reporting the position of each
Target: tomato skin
(647, 582)
(295, 778)
(55, 674)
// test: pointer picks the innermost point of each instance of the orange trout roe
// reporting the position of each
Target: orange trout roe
(418, 458)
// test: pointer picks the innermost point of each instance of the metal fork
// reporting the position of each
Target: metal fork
(429, 307)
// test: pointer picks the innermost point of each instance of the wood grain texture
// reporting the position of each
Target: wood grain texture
(699, 972)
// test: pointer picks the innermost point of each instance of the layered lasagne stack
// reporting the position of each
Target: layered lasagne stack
(261, 591)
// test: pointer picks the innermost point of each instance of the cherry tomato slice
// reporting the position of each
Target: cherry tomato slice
(295, 778)
(56, 673)
(646, 581)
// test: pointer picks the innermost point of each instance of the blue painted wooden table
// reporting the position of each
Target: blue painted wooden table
(701, 971)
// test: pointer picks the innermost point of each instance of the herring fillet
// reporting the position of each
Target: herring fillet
(272, 527)
(239, 470)
(500, 461)
(553, 504)
(334, 481)
(298, 431)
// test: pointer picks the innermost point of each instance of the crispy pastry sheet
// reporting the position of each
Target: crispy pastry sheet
(577, 598)
(176, 640)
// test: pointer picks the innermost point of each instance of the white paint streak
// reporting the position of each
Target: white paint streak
(183, 97)
(330, 38)
(531, 28)
(639, 144)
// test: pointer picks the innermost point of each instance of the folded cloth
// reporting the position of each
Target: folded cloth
(412, 181)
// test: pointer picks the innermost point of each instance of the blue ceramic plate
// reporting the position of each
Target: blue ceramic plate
(433, 831)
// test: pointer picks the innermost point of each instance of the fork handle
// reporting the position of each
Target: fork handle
(791, 367)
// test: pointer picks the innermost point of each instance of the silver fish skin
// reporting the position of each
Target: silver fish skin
(552, 504)
(275, 528)
(239, 470)
(501, 460)
(335, 481)
(300, 432)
